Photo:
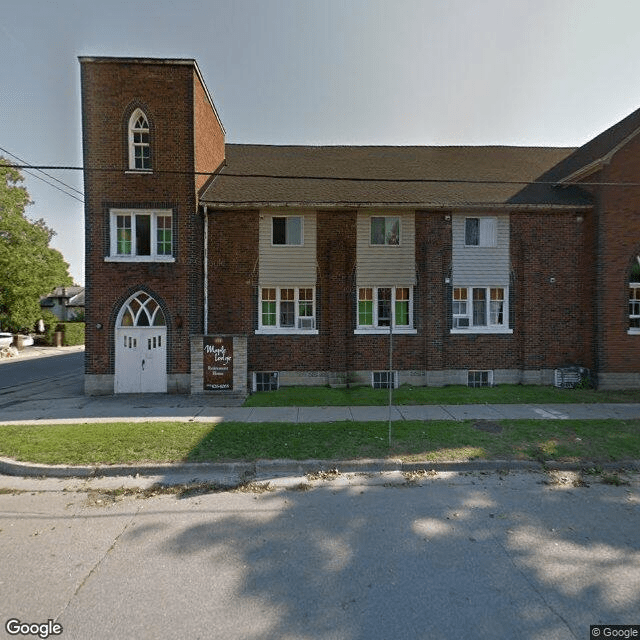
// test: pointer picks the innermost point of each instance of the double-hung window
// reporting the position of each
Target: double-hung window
(634, 297)
(142, 236)
(382, 307)
(480, 309)
(286, 310)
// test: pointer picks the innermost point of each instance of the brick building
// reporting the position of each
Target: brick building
(215, 267)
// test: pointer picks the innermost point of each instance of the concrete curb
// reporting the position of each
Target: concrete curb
(262, 469)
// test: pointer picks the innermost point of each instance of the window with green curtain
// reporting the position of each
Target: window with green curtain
(269, 307)
(163, 232)
(123, 235)
(402, 312)
(365, 307)
(402, 306)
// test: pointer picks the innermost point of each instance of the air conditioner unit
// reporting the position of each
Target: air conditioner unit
(570, 377)
(306, 323)
(461, 323)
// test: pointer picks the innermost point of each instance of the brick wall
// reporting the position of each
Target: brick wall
(111, 90)
(618, 244)
(208, 134)
(233, 271)
(551, 286)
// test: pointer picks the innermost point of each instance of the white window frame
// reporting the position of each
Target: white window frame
(275, 378)
(300, 321)
(154, 256)
(474, 378)
(459, 318)
(634, 305)
(487, 231)
(385, 244)
(376, 328)
(133, 145)
(287, 218)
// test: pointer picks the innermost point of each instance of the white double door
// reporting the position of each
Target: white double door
(141, 360)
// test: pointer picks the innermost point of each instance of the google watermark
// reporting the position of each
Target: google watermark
(598, 631)
(15, 627)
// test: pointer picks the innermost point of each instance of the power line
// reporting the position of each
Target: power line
(68, 186)
(26, 166)
(270, 176)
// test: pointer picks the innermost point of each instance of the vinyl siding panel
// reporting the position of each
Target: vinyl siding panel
(282, 265)
(386, 266)
(480, 266)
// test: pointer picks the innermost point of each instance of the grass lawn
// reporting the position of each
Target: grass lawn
(111, 443)
(500, 394)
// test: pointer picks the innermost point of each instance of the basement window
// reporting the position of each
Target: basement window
(384, 379)
(265, 381)
(479, 378)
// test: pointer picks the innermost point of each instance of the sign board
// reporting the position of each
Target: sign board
(217, 359)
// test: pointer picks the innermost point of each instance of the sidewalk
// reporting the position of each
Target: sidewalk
(79, 408)
(41, 351)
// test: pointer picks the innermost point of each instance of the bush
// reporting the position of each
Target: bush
(50, 324)
(73, 333)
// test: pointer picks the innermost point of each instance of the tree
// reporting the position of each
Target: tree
(29, 268)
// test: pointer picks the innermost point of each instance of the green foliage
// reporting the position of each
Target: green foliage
(77, 317)
(577, 441)
(29, 267)
(50, 321)
(73, 333)
(454, 394)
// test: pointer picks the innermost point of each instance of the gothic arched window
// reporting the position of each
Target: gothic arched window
(139, 146)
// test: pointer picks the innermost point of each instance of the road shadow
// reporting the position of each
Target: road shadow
(474, 556)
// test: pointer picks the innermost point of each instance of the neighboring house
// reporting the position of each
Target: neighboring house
(66, 303)
(489, 264)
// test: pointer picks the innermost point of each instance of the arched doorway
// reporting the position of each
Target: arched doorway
(141, 347)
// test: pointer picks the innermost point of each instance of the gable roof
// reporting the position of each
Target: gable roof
(73, 293)
(412, 176)
(591, 156)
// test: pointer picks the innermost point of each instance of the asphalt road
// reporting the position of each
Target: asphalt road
(32, 370)
(529, 556)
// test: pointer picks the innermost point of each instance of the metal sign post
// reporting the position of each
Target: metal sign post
(390, 374)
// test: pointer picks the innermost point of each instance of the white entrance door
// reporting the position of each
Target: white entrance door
(141, 347)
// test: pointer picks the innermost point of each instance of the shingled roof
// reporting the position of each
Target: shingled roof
(412, 176)
(592, 155)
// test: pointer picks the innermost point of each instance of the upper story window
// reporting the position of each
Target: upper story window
(634, 297)
(139, 144)
(480, 232)
(286, 230)
(141, 236)
(385, 230)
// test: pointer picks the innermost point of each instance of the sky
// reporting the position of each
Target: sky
(386, 72)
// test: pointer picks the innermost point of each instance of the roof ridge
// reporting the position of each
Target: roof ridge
(399, 146)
